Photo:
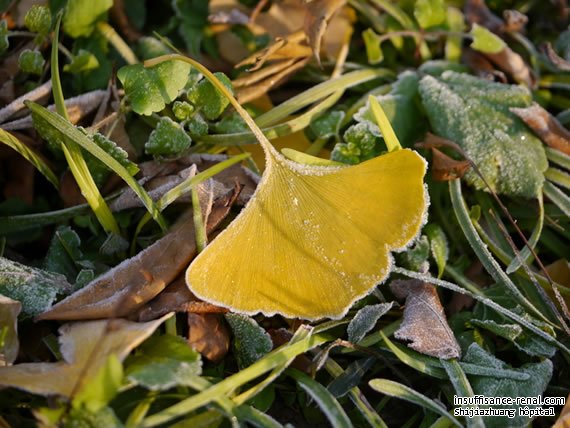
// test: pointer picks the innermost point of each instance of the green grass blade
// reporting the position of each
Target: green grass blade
(487, 302)
(357, 397)
(328, 404)
(74, 134)
(319, 92)
(229, 384)
(390, 139)
(297, 124)
(462, 387)
(525, 254)
(72, 152)
(199, 226)
(397, 390)
(557, 197)
(557, 157)
(256, 417)
(30, 155)
(483, 254)
(558, 177)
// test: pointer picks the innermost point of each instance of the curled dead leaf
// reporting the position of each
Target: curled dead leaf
(209, 335)
(129, 285)
(424, 322)
(9, 311)
(319, 14)
(85, 348)
(554, 58)
(476, 11)
(514, 65)
(445, 168)
(481, 66)
(545, 126)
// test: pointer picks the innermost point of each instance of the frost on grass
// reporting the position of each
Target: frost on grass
(35, 289)
(164, 362)
(475, 114)
(251, 342)
(539, 377)
(365, 320)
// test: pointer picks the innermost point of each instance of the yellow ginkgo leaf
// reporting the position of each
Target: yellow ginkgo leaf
(313, 239)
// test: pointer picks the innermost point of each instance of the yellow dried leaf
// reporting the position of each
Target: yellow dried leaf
(313, 239)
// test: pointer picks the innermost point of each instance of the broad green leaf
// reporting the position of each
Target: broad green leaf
(208, 99)
(102, 387)
(251, 342)
(81, 62)
(30, 155)
(86, 348)
(365, 320)
(197, 126)
(31, 61)
(294, 219)
(400, 107)
(439, 246)
(475, 114)
(540, 374)
(403, 392)
(4, 44)
(150, 89)
(35, 289)
(38, 19)
(168, 139)
(150, 47)
(485, 41)
(373, 45)
(430, 13)
(9, 344)
(63, 253)
(81, 16)
(164, 362)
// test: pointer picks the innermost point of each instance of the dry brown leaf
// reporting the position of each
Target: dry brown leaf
(481, 66)
(424, 322)
(476, 11)
(545, 126)
(563, 420)
(319, 13)
(514, 65)
(209, 335)
(445, 168)
(515, 21)
(85, 348)
(129, 285)
(9, 311)
(40, 93)
(77, 108)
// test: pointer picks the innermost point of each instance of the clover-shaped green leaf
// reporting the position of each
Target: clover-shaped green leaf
(38, 19)
(150, 89)
(31, 62)
(210, 101)
(81, 16)
(82, 61)
(168, 139)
